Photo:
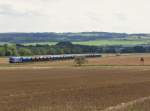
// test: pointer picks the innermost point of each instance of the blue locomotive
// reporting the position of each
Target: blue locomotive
(49, 58)
(20, 59)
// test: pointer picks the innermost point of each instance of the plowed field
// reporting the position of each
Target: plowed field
(59, 86)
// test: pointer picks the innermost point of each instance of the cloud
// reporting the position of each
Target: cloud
(74, 15)
(9, 10)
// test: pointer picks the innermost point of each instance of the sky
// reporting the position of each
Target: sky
(129, 16)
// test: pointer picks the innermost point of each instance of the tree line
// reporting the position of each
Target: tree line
(66, 48)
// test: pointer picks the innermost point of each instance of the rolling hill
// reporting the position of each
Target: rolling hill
(72, 37)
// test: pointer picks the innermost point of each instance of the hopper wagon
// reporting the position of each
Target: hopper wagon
(17, 59)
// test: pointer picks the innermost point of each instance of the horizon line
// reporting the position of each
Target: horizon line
(79, 32)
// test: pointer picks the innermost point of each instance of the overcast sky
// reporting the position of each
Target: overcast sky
(131, 16)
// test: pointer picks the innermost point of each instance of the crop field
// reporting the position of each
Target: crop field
(102, 42)
(61, 86)
(113, 42)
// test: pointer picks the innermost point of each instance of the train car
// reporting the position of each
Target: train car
(26, 59)
(15, 60)
(49, 58)
(20, 59)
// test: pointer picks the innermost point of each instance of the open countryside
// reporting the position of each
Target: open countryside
(74, 55)
(82, 38)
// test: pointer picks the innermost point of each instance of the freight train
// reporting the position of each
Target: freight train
(49, 57)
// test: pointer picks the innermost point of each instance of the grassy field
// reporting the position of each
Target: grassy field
(102, 42)
(41, 43)
(60, 86)
(113, 42)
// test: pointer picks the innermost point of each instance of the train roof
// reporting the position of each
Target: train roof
(52, 56)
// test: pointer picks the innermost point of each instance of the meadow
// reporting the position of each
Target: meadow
(113, 42)
(103, 42)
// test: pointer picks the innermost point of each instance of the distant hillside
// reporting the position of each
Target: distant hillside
(73, 37)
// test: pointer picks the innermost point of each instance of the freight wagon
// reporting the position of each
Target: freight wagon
(49, 58)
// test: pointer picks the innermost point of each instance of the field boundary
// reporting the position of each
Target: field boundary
(122, 106)
(20, 67)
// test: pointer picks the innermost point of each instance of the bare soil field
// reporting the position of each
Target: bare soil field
(70, 89)
(59, 86)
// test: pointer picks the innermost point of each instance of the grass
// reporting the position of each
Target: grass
(101, 42)
(40, 43)
(113, 42)
(144, 106)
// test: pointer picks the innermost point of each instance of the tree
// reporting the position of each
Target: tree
(139, 49)
(24, 52)
(80, 61)
(2, 51)
(64, 44)
(14, 50)
(10, 50)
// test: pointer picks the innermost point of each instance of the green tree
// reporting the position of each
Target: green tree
(24, 52)
(10, 50)
(14, 50)
(2, 51)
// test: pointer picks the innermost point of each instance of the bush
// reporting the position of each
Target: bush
(80, 61)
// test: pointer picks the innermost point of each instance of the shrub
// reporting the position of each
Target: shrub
(80, 61)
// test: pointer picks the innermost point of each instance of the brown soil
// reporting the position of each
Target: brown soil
(59, 86)
(71, 89)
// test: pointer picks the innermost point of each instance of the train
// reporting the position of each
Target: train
(20, 59)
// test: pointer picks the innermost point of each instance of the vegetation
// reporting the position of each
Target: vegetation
(113, 42)
(100, 42)
(80, 61)
(24, 51)
(7, 50)
(142, 104)
(72, 37)
(67, 48)
(57, 37)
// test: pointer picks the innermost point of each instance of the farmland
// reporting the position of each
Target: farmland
(102, 42)
(60, 86)
(113, 42)
(88, 38)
